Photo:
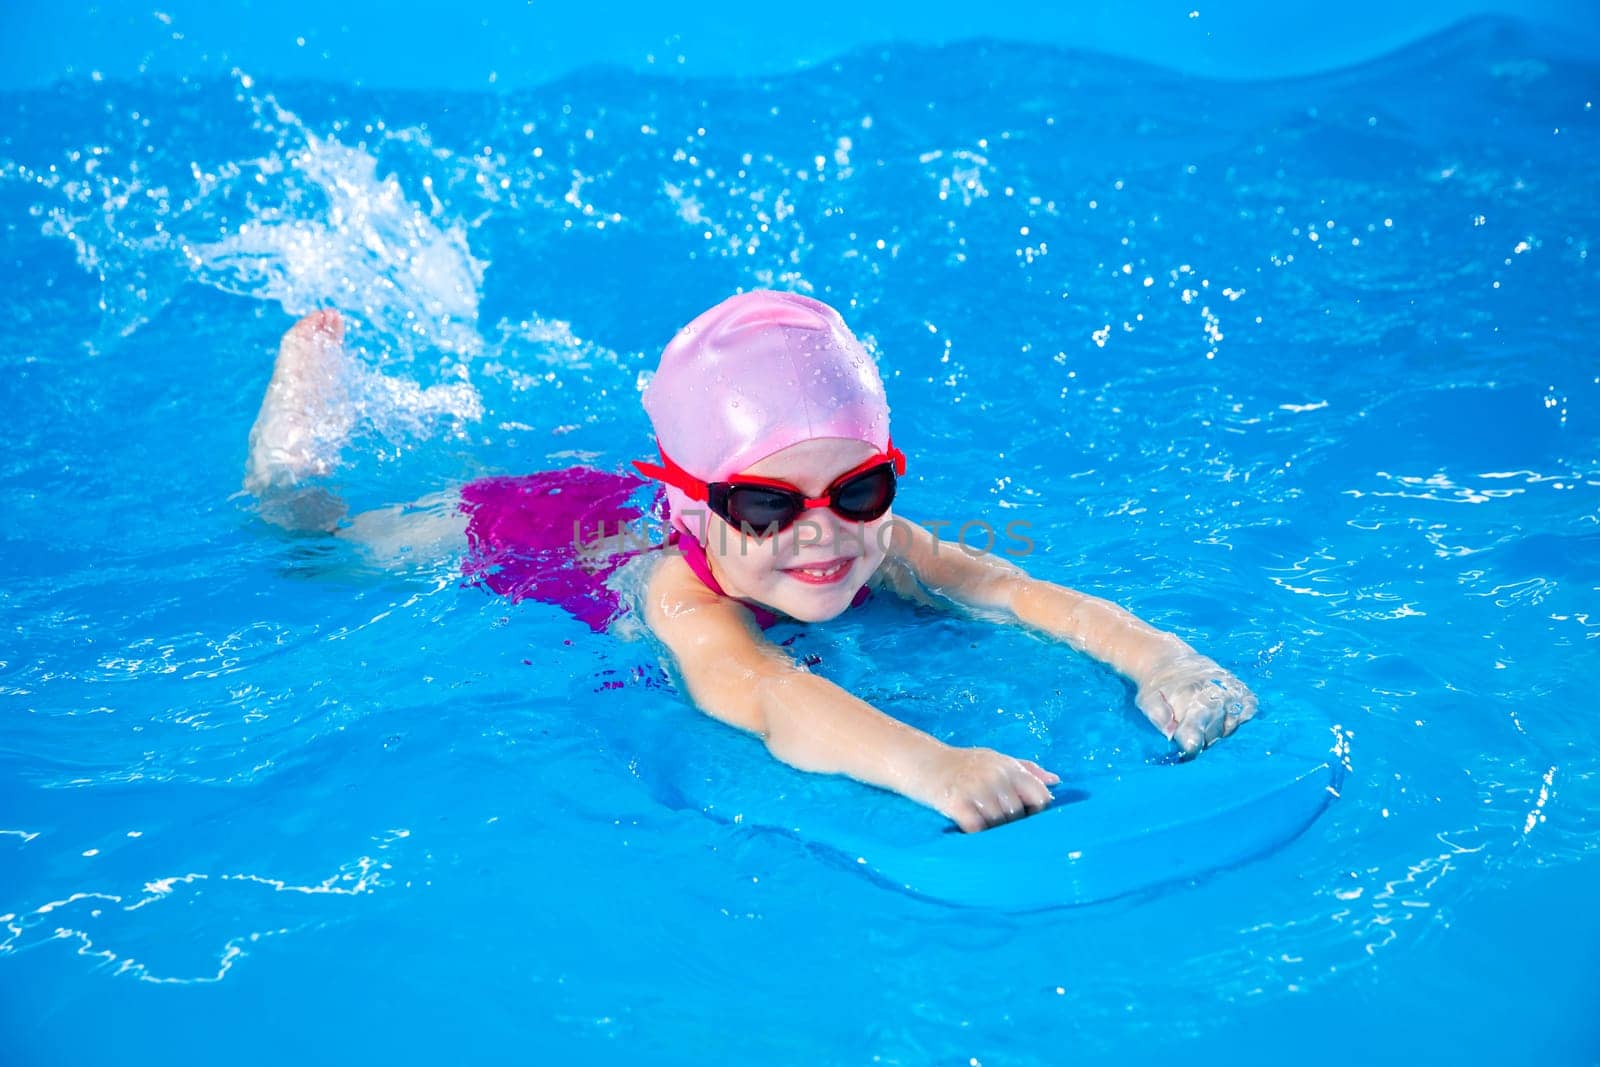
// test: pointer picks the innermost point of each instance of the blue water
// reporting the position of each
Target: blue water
(1302, 370)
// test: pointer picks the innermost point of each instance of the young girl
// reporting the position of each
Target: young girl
(779, 477)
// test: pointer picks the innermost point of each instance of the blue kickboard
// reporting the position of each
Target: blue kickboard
(1105, 836)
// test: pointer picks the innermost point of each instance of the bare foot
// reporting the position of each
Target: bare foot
(304, 420)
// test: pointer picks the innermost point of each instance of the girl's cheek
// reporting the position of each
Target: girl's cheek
(876, 535)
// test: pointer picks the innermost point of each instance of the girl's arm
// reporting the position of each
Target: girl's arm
(734, 674)
(1188, 697)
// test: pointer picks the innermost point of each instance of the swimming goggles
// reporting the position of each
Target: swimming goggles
(765, 505)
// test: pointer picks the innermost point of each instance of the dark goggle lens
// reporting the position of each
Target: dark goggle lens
(861, 499)
(866, 496)
(760, 507)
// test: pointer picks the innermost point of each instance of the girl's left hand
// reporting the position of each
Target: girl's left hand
(1194, 702)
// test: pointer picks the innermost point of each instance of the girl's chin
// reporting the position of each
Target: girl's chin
(810, 613)
(812, 603)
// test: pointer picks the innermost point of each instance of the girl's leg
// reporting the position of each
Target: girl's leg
(426, 530)
(302, 424)
(304, 421)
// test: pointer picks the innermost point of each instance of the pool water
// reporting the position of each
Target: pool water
(1301, 370)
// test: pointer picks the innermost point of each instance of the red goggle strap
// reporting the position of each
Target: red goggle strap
(897, 456)
(675, 476)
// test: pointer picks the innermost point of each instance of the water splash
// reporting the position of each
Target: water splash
(340, 235)
(307, 223)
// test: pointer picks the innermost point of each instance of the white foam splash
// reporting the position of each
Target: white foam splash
(366, 249)
(400, 407)
(307, 223)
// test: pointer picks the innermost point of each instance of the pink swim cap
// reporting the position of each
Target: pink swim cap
(757, 373)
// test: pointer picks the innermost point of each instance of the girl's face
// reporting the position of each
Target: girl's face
(812, 570)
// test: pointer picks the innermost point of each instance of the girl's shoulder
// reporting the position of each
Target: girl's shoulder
(674, 588)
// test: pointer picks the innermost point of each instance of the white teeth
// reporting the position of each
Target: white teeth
(824, 572)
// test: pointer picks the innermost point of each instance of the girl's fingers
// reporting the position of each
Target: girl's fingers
(1034, 794)
(1047, 777)
(1165, 717)
(1190, 738)
(1205, 712)
(969, 818)
(1215, 723)
(1148, 701)
(1232, 715)
(1208, 712)
(1011, 806)
(1243, 707)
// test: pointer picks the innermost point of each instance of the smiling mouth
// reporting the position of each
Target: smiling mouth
(824, 573)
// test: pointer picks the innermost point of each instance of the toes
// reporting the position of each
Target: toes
(327, 322)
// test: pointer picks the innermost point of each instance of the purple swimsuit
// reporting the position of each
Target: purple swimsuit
(521, 540)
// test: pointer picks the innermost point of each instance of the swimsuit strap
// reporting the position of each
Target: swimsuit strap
(694, 554)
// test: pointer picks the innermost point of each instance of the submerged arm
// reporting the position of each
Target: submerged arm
(1185, 695)
(734, 674)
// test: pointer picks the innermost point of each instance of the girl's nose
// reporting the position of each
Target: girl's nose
(821, 528)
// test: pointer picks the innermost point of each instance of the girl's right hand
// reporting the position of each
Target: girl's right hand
(979, 787)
